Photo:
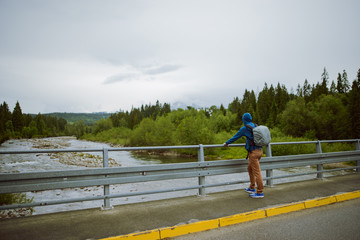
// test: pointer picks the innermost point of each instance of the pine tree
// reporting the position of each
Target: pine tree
(40, 125)
(134, 118)
(306, 90)
(340, 84)
(324, 82)
(165, 109)
(281, 97)
(263, 105)
(345, 82)
(223, 110)
(17, 118)
(234, 106)
(5, 115)
(5, 121)
(354, 110)
(248, 104)
(332, 88)
(299, 91)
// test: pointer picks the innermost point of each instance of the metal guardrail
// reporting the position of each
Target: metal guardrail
(106, 176)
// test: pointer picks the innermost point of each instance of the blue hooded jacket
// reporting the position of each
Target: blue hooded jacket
(244, 131)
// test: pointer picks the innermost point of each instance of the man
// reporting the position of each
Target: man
(254, 155)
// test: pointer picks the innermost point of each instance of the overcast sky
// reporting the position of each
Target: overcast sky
(92, 56)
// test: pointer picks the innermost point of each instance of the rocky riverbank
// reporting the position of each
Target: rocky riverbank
(19, 212)
(71, 158)
(45, 161)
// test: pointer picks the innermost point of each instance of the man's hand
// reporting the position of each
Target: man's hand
(225, 145)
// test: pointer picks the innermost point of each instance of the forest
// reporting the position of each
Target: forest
(325, 110)
(87, 118)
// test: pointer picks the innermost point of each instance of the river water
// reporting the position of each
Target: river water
(10, 163)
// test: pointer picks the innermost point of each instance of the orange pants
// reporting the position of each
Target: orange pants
(255, 171)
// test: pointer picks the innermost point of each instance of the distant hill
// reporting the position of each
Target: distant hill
(88, 118)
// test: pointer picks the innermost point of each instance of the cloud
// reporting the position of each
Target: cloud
(121, 78)
(194, 52)
(162, 69)
(132, 73)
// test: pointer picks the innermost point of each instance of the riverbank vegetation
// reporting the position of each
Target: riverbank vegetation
(15, 198)
(320, 111)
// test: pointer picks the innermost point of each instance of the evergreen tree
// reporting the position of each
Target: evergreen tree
(165, 109)
(248, 104)
(17, 118)
(5, 115)
(345, 82)
(271, 120)
(354, 109)
(223, 110)
(306, 90)
(134, 118)
(265, 101)
(27, 119)
(299, 91)
(234, 106)
(5, 119)
(333, 88)
(340, 85)
(281, 97)
(324, 82)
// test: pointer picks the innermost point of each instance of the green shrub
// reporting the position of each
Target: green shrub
(15, 198)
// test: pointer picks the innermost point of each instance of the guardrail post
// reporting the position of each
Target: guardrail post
(319, 167)
(106, 205)
(269, 173)
(201, 178)
(357, 147)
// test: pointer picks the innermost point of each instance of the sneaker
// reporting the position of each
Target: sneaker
(250, 190)
(256, 195)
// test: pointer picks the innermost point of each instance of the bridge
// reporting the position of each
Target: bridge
(154, 220)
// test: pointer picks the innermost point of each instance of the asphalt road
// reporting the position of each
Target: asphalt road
(337, 221)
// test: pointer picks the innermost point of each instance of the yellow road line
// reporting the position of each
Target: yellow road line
(163, 233)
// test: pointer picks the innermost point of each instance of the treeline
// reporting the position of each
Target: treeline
(323, 110)
(87, 118)
(320, 111)
(15, 124)
(136, 115)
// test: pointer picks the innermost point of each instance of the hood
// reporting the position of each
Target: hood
(247, 118)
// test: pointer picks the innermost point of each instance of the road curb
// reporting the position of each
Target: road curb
(178, 230)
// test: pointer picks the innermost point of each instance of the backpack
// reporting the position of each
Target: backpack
(261, 135)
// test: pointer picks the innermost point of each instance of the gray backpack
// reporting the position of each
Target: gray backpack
(261, 135)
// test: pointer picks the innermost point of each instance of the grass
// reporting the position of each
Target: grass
(15, 198)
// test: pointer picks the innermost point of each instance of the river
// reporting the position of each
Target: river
(48, 162)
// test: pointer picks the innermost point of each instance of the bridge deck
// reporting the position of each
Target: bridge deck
(95, 224)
